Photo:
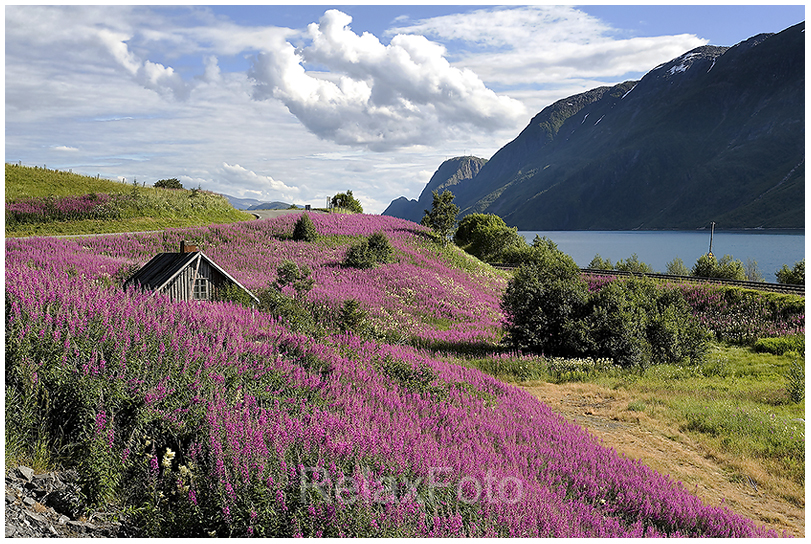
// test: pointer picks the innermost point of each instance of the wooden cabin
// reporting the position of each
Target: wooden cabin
(187, 275)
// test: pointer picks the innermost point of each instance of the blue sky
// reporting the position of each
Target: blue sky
(299, 102)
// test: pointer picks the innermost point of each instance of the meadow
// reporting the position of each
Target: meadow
(42, 202)
(215, 419)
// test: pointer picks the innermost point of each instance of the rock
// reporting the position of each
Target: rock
(49, 505)
(25, 472)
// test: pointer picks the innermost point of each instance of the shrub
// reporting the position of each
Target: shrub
(359, 256)
(543, 305)
(707, 266)
(634, 265)
(597, 263)
(676, 268)
(171, 183)
(796, 381)
(369, 252)
(305, 229)
(235, 294)
(633, 322)
(380, 248)
(795, 275)
(781, 344)
(352, 318)
(298, 277)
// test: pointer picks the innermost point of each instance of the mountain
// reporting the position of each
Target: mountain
(451, 174)
(254, 204)
(717, 134)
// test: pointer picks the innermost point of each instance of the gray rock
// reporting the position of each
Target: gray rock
(25, 472)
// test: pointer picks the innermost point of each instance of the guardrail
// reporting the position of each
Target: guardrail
(758, 285)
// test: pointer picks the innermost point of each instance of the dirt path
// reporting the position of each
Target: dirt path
(604, 413)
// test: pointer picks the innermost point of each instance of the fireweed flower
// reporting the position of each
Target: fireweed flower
(259, 405)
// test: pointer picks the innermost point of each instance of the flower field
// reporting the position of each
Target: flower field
(209, 418)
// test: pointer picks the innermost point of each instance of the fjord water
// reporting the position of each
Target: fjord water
(770, 248)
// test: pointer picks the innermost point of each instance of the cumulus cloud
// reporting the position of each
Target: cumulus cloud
(375, 95)
(546, 44)
(152, 75)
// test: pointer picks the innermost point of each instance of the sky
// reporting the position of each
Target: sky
(296, 103)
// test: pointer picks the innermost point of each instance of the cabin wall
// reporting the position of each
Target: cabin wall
(183, 286)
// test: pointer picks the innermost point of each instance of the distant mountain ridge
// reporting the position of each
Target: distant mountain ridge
(450, 174)
(717, 134)
(254, 204)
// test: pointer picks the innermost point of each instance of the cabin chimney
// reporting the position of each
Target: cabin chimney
(184, 248)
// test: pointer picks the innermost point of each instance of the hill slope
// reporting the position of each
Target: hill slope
(49, 202)
(224, 422)
(716, 134)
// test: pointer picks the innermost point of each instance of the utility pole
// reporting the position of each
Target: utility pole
(712, 231)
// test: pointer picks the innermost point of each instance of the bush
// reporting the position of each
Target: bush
(298, 277)
(676, 268)
(707, 266)
(795, 276)
(633, 265)
(369, 252)
(544, 303)
(234, 293)
(352, 318)
(171, 183)
(305, 229)
(359, 256)
(380, 248)
(633, 322)
(781, 344)
(796, 381)
(597, 263)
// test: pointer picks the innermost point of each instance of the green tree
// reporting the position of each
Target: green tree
(676, 267)
(347, 201)
(544, 304)
(752, 271)
(597, 263)
(633, 265)
(795, 275)
(487, 237)
(305, 229)
(707, 266)
(171, 183)
(442, 217)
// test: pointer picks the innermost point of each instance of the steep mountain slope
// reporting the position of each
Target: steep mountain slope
(451, 174)
(716, 134)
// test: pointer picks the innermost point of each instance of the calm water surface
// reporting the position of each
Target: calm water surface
(771, 249)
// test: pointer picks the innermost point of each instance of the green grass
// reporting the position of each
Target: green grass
(139, 208)
(34, 182)
(736, 404)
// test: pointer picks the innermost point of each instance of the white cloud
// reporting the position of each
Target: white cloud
(238, 176)
(378, 96)
(151, 93)
(547, 44)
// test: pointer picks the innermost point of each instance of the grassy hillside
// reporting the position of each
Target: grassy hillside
(47, 202)
(338, 410)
